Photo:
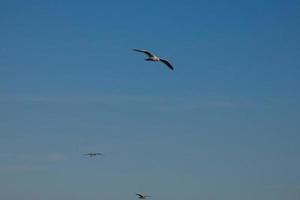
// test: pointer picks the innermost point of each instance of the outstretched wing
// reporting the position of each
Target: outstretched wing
(167, 63)
(145, 52)
(100, 154)
(141, 196)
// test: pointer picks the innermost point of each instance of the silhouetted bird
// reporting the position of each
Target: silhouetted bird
(154, 58)
(93, 155)
(141, 196)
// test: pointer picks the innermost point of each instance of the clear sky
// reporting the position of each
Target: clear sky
(224, 125)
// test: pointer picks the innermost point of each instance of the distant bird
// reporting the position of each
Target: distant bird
(93, 155)
(141, 196)
(154, 58)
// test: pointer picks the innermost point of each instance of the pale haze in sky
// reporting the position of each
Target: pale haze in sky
(224, 125)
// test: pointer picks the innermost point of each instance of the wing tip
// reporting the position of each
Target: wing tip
(167, 63)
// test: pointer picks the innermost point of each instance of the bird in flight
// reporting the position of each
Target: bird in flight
(154, 58)
(141, 196)
(93, 155)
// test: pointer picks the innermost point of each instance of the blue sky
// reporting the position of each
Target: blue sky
(223, 125)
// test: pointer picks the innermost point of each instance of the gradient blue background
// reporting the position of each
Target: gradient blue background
(223, 125)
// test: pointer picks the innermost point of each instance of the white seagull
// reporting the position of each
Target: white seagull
(141, 196)
(154, 58)
(93, 155)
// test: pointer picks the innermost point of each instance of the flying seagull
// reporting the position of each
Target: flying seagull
(141, 196)
(154, 58)
(93, 155)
